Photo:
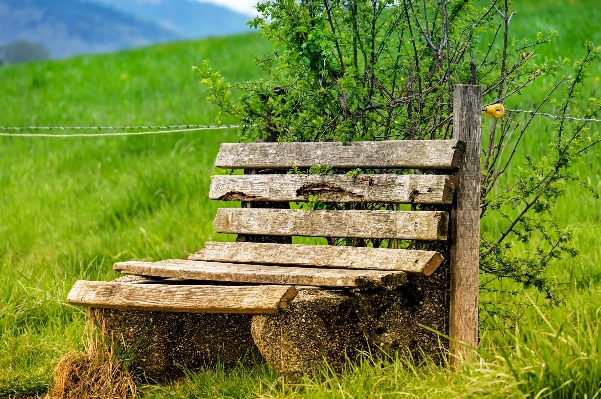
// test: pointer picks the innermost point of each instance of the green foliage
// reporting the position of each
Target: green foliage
(364, 70)
(526, 201)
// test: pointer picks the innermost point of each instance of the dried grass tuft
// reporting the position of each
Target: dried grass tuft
(95, 373)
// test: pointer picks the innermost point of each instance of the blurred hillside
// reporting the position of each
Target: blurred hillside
(68, 27)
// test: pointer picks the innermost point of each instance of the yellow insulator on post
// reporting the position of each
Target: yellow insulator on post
(495, 110)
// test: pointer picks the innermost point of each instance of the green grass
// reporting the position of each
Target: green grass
(69, 208)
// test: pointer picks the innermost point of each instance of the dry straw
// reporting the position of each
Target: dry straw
(95, 373)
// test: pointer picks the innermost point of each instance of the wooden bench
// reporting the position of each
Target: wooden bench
(262, 273)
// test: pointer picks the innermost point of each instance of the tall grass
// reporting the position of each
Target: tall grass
(70, 208)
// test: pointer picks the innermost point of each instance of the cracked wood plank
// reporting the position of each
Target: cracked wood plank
(418, 189)
(412, 154)
(264, 274)
(417, 263)
(409, 225)
(182, 298)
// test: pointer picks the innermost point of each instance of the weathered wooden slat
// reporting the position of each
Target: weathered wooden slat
(182, 298)
(412, 154)
(419, 189)
(431, 225)
(418, 263)
(262, 274)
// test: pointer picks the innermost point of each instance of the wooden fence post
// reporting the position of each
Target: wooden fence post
(465, 223)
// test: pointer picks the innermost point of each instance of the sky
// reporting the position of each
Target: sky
(243, 6)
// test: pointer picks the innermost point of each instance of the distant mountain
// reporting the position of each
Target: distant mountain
(187, 18)
(68, 27)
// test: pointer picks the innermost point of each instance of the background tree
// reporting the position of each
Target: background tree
(21, 51)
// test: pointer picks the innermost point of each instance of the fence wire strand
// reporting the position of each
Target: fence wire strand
(17, 131)
(570, 118)
(168, 130)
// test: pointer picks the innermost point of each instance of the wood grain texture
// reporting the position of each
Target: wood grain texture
(182, 298)
(262, 274)
(417, 263)
(465, 239)
(260, 204)
(412, 154)
(361, 224)
(418, 189)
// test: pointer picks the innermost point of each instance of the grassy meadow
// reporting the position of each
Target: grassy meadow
(71, 207)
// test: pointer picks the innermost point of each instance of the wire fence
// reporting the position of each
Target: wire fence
(19, 131)
(570, 118)
(122, 127)
(6, 130)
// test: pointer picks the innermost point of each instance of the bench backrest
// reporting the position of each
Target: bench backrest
(380, 187)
